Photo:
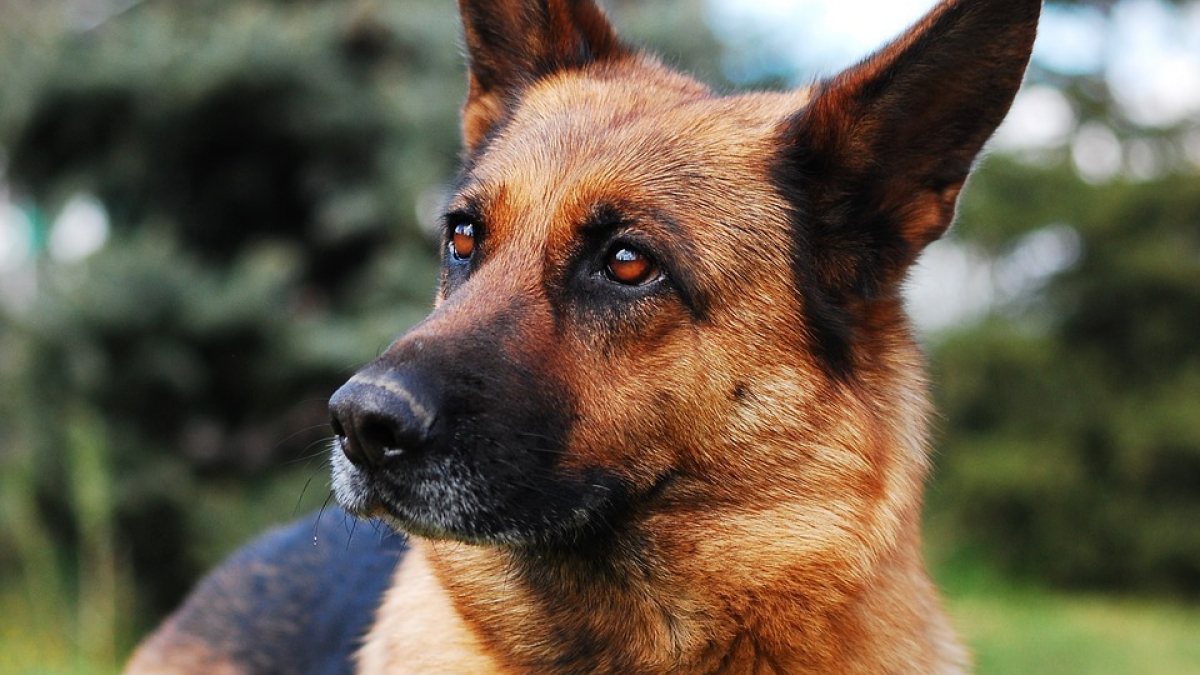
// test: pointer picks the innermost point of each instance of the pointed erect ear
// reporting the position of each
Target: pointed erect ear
(874, 164)
(513, 43)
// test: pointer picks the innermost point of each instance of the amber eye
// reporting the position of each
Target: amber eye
(631, 267)
(462, 242)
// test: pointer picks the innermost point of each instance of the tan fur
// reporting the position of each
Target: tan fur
(419, 630)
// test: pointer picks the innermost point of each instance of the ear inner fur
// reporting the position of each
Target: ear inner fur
(873, 166)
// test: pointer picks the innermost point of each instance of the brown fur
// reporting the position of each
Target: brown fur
(740, 448)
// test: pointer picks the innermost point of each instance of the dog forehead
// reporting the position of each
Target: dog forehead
(575, 142)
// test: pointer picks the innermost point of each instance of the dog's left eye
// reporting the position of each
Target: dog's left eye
(462, 241)
(629, 266)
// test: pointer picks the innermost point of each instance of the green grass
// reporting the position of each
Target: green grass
(1021, 631)
(39, 636)
(1019, 628)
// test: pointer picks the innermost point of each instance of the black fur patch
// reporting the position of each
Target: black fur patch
(299, 599)
(830, 324)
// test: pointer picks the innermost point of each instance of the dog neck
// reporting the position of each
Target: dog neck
(465, 609)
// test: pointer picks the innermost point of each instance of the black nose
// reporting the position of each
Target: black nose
(377, 419)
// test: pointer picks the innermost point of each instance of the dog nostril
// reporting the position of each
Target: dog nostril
(337, 427)
(349, 445)
(379, 436)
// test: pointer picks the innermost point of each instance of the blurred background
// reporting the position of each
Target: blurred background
(212, 212)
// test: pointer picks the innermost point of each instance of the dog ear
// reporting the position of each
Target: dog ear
(873, 165)
(513, 43)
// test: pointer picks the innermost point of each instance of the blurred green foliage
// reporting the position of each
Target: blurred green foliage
(1072, 421)
(272, 170)
(262, 164)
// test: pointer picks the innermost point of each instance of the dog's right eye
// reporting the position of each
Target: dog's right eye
(631, 267)
(462, 241)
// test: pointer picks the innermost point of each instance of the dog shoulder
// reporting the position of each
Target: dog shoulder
(300, 599)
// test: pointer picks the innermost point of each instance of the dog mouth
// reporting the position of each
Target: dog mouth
(481, 502)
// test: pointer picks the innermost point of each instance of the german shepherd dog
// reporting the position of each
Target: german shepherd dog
(667, 415)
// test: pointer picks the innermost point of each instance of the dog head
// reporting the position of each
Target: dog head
(664, 310)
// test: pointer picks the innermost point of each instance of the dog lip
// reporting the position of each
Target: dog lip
(459, 515)
(355, 489)
(363, 506)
